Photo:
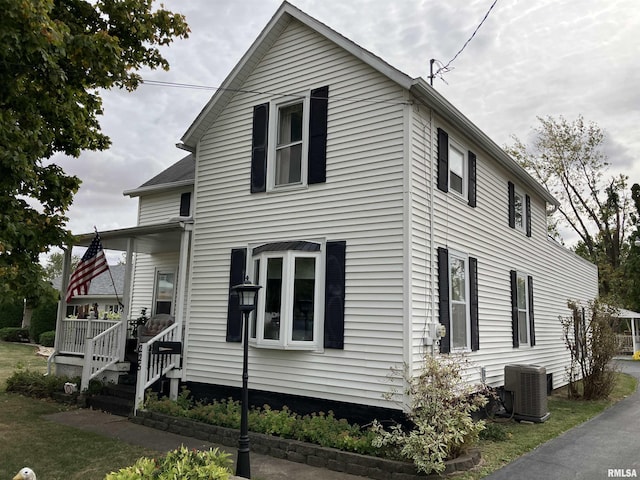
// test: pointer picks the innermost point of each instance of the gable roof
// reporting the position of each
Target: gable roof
(424, 92)
(103, 285)
(181, 173)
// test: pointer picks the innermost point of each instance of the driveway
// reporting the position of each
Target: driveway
(607, 446)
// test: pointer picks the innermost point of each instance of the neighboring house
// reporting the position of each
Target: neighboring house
(368, 208)
(105, 291)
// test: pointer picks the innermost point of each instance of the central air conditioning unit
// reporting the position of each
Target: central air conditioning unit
(526, 392)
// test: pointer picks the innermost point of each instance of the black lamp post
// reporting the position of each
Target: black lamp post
(247, 297)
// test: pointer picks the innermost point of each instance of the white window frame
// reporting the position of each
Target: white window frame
(453, 256)
(286, 342)
(523, 276)
(517, 193)
(274, 121)
(456, 146)
(164, 271)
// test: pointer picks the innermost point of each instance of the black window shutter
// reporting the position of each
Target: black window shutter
(473, 307)
(512, 205)
(471, 190)
(318, 135)
(236, 276)
(514, 308)
(532, 328)
(259, 148)
(443, 302)
(443, 160)
(528, 211)
(185, 204)
(334, 295)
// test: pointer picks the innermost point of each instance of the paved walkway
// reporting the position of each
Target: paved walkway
(263, 467)
(607, 446)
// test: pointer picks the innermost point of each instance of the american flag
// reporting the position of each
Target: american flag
(92, 264)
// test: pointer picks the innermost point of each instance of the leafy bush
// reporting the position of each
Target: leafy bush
(440, 408)
(14, 334)
(43, 318)
(11, 314)
(35, 384)
(320, 428)
(180, 463)
(47, 339)
(592, 344)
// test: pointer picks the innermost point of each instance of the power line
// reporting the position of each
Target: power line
(445, 68)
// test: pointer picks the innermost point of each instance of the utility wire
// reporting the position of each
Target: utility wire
(445, 68)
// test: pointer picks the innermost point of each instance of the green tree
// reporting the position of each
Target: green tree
(566, 157)
(55, 262)
(55, 57)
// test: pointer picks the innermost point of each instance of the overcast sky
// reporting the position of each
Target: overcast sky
(529, 59)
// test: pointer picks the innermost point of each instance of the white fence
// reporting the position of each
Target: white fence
(75, 332)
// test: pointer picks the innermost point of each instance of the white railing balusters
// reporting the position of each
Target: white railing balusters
(101, 353)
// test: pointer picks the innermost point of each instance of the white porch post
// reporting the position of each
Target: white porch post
(126, 298)
(183, 266)
(636, 347)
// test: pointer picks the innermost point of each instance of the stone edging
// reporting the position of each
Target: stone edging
(296, 451)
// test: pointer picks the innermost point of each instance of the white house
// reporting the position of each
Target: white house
(368, 208)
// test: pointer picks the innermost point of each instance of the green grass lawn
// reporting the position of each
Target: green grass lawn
(57, 452)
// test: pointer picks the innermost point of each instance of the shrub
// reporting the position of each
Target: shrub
(592, 344)
(43, 318)
(35, 384)
(11, 314)
(14, 334)
(47, 339)
(319, 428)
(180, 463)
(440, 408)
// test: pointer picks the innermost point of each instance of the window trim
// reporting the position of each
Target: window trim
(456, 255)
(455, 145)
(523, 276)
(288, 253)
(272, 143)
(154, 299)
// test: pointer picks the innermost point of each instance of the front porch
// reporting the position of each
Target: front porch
(106, 349)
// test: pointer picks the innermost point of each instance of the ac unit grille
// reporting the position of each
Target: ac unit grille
(527, 385)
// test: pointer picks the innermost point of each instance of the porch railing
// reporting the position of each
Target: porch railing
(626, 343)
(154, 365)
(74, 333)
(101, 353)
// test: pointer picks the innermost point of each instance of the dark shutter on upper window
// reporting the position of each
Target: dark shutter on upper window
(473, 305)
(528, 211)
(512, 205)
(443, 302)
(471, 191)
(259, 148)
(443, 160)
(334, 295)
(514, 308)
(185, 204)
(236, 277)
(532, 329)
(318, 135)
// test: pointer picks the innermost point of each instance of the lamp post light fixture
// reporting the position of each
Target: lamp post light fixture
(247, 298)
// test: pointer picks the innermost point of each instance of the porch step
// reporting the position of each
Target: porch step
(116, 399)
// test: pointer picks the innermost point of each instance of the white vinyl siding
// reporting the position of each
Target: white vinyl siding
(483, 232)
(360, 203)
(160, 207)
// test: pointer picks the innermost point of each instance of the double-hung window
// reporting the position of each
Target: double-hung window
(519, 209)
(289, 141)
(522, 322)
(458, 304)
(289, 135)
(456, 168)
(459, 294)
(290, 306)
